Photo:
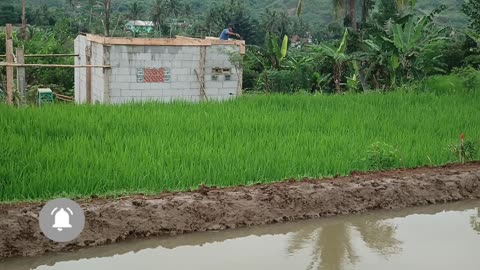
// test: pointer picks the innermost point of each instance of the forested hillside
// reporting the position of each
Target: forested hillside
(316, 12)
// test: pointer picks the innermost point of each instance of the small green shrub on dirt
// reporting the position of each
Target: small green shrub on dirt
(381, 156)
(465, 151)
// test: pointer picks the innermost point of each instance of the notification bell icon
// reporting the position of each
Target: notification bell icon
(62, 219)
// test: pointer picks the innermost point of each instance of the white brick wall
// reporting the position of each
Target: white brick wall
(121, 80)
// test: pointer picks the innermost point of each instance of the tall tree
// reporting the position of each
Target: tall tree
(9, 12)
(174, 7)
(106, 23)
(472, 9)
(351, 12)
(275, 22)
(24, 19)
(159, 14)
(135, 10)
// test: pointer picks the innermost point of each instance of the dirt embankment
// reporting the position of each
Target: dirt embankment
(109, 221)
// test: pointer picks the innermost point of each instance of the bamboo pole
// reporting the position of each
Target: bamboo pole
(52, 65)
(88, 79)
(46, 55)
(9, 55)
(203, 58)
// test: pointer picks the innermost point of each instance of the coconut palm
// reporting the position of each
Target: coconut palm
(159, 14)
(174, 7)
(135, 10)
(275, 22)
(351, 14)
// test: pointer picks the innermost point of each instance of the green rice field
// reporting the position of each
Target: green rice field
(67, 150)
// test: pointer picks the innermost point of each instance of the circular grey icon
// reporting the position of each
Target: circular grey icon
(62, 220)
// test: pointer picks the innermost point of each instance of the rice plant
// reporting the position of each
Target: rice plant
(74, 151)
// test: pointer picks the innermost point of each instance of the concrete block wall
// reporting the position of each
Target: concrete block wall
(80, 73)
(127, 80)
(98, 83)
(220, 88)
(180, 61)
(98, 78)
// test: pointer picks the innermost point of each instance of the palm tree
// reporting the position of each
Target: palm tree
(134, 10)
(159, 14)
(275, 22)
(351, 15)
(174, 7)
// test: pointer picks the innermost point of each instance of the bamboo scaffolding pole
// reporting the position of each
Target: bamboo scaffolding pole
(21, 82)
(52, 65)
(88, 75)
(46, 55)
(10, 59)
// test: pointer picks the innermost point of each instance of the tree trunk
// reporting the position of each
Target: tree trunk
(365, 10)
(107, 17)
(24, 20)
(352, 13)
(338, 77)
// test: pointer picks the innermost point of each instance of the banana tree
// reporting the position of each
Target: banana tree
(382, 63)
(276, 53)
(413, 42)
(339, 56)
(268, 59)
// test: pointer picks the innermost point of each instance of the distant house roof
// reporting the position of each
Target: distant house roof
(141, 23)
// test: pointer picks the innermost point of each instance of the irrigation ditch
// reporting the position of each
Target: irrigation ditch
(212, 209)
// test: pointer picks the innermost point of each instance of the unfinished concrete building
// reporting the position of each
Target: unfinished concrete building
(140, 70)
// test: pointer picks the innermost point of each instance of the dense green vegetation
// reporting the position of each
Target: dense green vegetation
(416, 65)
(317, 12)
(387, 45)
(83, 150)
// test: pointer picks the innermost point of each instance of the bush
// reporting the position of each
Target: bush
(249, 78)
(470, 77)
(462, 80)
(465, 151)
(381, 156)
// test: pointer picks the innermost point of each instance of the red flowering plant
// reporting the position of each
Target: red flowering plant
(465, 151)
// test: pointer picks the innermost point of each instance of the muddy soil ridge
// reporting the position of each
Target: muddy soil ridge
(109, 221)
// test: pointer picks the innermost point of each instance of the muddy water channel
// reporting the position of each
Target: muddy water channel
(434, 237)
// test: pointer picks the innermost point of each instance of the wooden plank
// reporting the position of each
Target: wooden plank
(96, 39)
(155, 42)
(21, 73)
(88, 86)
(9, 56)
(184, 37)
(227, 42)
(181, 41)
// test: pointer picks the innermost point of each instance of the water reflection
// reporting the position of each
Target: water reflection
(332, 245)
(475, 221)
(394, 240)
